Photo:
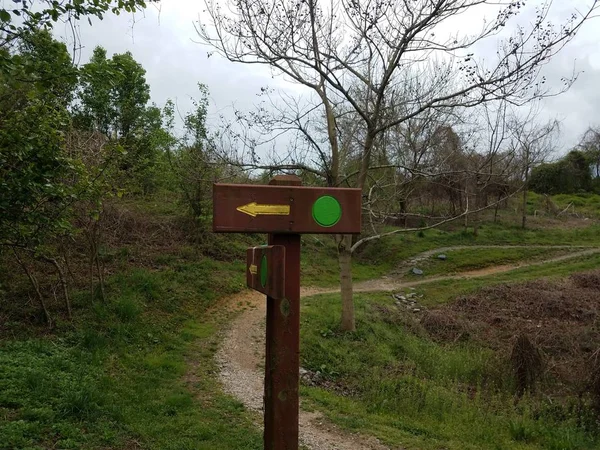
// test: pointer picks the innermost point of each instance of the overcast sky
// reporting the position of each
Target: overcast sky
(164, 41)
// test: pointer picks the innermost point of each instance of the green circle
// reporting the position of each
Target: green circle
(327, 211)
(263, 271)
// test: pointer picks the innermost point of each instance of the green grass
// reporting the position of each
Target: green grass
(414, 393)
(442, 291)
(386, 254)
(320, 266)
(379, 257)
(122, 375)
(586, 204)
(463, 260)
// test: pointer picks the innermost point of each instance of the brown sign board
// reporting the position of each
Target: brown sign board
(239, 208)
(265, 270)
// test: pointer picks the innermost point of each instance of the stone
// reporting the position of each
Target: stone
(442, 257)
(417, 271)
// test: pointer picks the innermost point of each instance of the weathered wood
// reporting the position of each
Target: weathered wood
(282, 362)
(285, 209)
(265, 270)
(282, 352)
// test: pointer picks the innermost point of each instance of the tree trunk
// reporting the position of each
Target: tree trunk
(63, 283)
(524, 218)
(525, 187)
(92, 271)
(345, 260)
(496, 208)
(345, 243)
(100, 277)
(36, 288)
(479, 201)
(467, 210)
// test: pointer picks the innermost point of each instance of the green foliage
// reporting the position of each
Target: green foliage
(38, 179)
(138, 371)
(113, 94)
(112, 100)
(193, 160)
(569, 175)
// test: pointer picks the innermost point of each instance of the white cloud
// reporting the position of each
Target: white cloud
(163, 42)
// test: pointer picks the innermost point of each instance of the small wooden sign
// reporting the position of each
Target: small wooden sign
(285, 209)
(265, 270)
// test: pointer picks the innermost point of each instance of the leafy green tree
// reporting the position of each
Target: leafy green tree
(35, 90)
(569, 175)
(580, 174)
(113, 94)
(193, 159)
(590, 146)
(39, 180)
(42, 176)
(112, 100)
(545, 178)
(147, 150)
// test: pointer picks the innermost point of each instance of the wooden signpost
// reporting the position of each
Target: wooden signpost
(284, 210)
(265, 270)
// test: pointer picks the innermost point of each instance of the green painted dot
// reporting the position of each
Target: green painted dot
(263, 271)
(327, 211)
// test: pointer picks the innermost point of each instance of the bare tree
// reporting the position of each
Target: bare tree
(533, 143)
(334, 47)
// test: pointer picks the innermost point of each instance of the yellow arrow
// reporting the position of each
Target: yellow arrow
(253, 269)
(254, 209)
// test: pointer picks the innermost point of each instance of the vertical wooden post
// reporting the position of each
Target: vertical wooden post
(283, 346)
(285, 209)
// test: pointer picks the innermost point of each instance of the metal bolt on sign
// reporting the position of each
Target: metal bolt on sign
(284, 209)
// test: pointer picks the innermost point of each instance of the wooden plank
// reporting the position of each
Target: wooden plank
(282, 351)
(265, 271)
(285, 209)
(282, 354)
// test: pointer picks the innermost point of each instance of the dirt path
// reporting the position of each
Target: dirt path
(242, 350)
(239, 358)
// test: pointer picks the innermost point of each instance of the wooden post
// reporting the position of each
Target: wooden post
(281, 401)
(285, 210)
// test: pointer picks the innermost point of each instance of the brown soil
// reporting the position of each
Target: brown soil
(562, 318)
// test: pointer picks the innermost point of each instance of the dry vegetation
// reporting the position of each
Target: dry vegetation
(548, 329)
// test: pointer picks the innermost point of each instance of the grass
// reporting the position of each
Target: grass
(586, 204)
(417, 394)
(380, 257)
(463, 260)
(442, 291)
(121, 377)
